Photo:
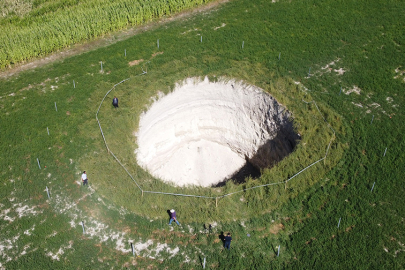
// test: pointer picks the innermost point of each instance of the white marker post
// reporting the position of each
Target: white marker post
(101, 66)
(278, 251)
(243, 44)
(38, 163)
(47, 129)
(372, 187)
(74, 85)
(133, 250)
(339, 222)
(158, 43)
(56, 108)
(47, 191)
(204, 263)
(385, 152)
(279, 55)
(83, 226)
(372, 120)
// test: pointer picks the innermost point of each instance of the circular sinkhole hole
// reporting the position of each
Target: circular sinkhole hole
(205, 133)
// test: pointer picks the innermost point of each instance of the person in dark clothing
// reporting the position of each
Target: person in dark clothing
(173, 217)
(228, 240)
(115, 102)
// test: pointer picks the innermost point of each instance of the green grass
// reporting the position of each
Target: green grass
(366, 38)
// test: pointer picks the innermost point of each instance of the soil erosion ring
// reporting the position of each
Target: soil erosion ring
(204, 133)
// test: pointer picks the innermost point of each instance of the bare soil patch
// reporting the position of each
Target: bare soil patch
(135, 62)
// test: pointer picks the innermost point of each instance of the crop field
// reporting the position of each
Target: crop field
(338, 66)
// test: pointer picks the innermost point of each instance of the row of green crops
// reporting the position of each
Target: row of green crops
(41, 35)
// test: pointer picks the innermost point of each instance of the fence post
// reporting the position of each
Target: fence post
(47, 191)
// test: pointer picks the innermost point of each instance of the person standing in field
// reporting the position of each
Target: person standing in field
(115, 102)
(84, 178)
(228, 240)
(173, 217)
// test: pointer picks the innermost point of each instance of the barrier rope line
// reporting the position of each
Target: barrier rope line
(200, 196)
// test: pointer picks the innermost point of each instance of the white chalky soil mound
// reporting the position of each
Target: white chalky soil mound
(204, 132)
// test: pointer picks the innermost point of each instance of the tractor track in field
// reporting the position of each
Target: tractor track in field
(104, 41)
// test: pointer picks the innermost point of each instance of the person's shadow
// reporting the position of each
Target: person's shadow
(208, 229)
(168, 212)
(222, 237)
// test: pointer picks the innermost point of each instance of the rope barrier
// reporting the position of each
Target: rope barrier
(200, 196)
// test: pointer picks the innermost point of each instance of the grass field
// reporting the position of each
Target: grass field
(346, 212)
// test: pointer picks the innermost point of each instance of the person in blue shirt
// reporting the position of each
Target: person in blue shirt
(115, 102)
(228, 240)
(173, 217)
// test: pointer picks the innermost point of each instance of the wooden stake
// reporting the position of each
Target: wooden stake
(47, 191)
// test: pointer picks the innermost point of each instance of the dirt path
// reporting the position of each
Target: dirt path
(105, 41)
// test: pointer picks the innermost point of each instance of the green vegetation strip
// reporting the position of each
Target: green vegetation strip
(50, 26)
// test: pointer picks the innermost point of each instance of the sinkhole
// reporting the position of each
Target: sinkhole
(205, 133)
